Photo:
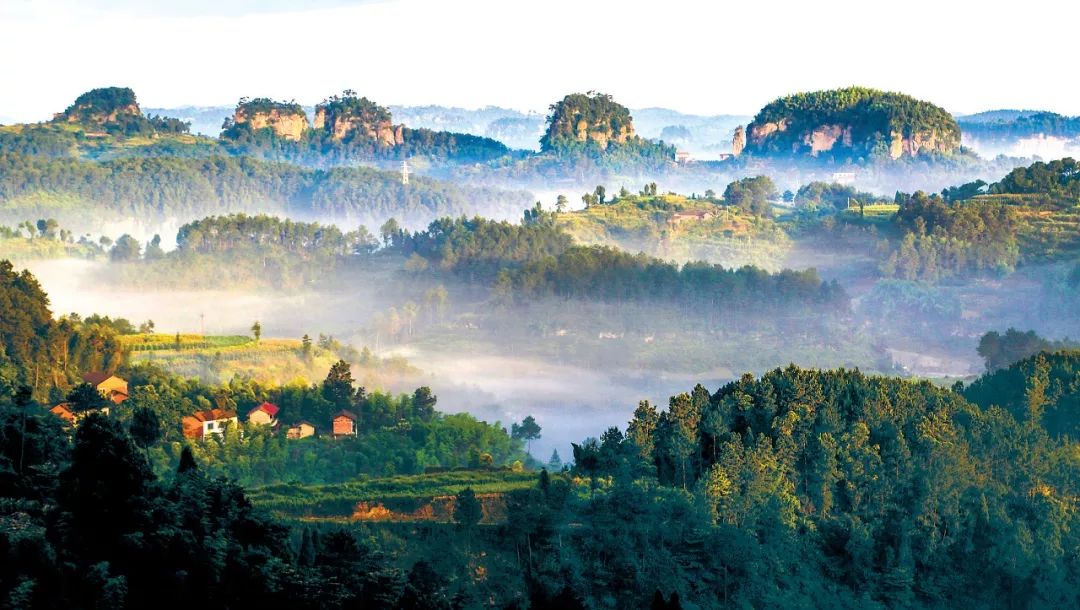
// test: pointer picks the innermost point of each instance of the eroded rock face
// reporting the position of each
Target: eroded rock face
(738, 141)
(758, 133)
(852, 124)
(351, 116)
(825, 137)
(287, 124)
(588, 118)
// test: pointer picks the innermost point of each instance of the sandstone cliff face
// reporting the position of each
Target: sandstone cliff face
(825, 137)
(758, 133)
(602, 133)
(919, 143)
(341, 126)
(738, 141)
(286, 124)
(87, 114)
(852, 124)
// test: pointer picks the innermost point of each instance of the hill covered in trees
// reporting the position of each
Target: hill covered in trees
(855, 124)
(88, 194)
(345, 128)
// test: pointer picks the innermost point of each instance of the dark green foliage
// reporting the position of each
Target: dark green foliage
(1014, 389)
(159, 188)
(115, 110)
(1055, 183)
(999, 351)
(467, 509)
(40, 352)
(605, 118)
(753, 195)
(942, 239)
(872, 116)
(831, 194)
(1022, 124)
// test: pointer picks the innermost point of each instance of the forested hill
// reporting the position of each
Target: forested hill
(87, 195)
(1044, 388)
(39, 352)
(1007, 125)
(855, 124)
(345, 129)
(820, 489)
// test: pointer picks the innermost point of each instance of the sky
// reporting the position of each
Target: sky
(715, 57)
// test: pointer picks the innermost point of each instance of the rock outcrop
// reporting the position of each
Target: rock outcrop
(852, 124)
(588, 118)
(102, 107)
(349, 116)
(287, 120)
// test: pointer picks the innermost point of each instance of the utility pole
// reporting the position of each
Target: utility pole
(202, 324)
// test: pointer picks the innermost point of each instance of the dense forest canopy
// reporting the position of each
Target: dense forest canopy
(159, 188)
(1021, 124)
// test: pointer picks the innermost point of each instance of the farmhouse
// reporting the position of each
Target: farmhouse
(200, 424)
(299, 430)
(110, 386)
(264, 415)
(343, 424)
(64, 412)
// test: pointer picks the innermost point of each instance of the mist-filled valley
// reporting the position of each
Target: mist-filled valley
(431, 357)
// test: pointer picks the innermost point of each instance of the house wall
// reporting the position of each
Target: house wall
(301, 431)
(344, 425)
(260, 417)
(112, 384)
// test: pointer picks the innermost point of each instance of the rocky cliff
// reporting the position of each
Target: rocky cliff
(349, 116)
(853, 124)
(287, 120)
(588, 118)
(102, 107)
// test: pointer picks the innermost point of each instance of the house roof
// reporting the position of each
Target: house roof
(268, 407)
(302, 422)
(63, 412)
(95, 378)
(346, 414)
(213, 415)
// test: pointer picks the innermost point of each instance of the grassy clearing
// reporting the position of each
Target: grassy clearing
(339, 500)
(678, 228)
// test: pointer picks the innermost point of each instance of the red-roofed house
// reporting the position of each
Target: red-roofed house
(264, 415)
(200, 424)
(110, 386)
(343, 424)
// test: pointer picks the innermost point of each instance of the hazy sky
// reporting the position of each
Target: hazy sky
(702, 57)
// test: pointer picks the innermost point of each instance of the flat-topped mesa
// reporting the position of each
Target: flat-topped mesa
(587, 118)
(854, 123)
(349, 116)
(286, 119)
(102, 107)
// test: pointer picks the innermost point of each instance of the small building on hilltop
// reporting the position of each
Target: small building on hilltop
(201, 424)
(343, 424)
(264, 415)
(110, 386)
(299, 430)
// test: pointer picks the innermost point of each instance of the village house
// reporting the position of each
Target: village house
(74, 418)
(201, 424)
(64, 412)
(343, 424)
(111, 387)
(300, 430)
(264, 415)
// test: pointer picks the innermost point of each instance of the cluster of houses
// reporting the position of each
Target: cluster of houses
(111, 387)
(202, 424)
